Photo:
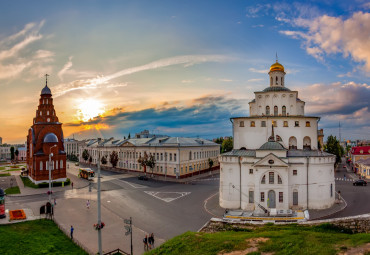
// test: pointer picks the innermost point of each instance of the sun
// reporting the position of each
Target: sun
(89, 108)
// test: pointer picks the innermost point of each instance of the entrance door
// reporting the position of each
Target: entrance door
(271, 203)
(295, 197)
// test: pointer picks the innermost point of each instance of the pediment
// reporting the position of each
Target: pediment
(127, 144)
(271, 160)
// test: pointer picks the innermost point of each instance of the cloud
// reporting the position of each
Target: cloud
(187, 81)
(12, 60)
(226, 80)
(254, 70)
(198, 117)
(257, 10)
(327, 35)
(345, 102)
(65, 68)
(255, 80)
(187, 60)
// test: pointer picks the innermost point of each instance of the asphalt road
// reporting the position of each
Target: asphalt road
(357, 197)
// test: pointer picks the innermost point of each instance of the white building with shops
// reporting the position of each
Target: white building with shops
(176, 157)
(275, 162)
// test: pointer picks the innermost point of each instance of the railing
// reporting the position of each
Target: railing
(263, 208)
(116, 251)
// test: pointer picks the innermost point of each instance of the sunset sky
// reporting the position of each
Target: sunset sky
(180, 68)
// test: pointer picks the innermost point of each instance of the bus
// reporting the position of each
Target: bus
(86, 173)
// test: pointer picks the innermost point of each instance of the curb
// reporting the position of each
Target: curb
(341, 209)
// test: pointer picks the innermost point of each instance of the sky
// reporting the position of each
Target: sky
(180, 68)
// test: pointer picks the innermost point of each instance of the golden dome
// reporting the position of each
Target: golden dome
(277, 67)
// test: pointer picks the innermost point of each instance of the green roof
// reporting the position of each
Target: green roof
(276, 89)
(272, 146)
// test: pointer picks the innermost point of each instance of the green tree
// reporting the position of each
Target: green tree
(12, 153)
(333, 146)
(210, 163)
(227, 145)
(104, 160)
(143, 160)
(16, 155)
(129, 136)
(85, 155)
(113, 158)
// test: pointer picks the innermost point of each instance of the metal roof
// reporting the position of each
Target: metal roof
(308, 153)
(276, 89)
(272, 146)
(240, 153)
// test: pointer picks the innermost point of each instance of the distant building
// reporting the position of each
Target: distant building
(72, 147)
(176, 157)
(5, 152)
(1, 140)
(363, 166)
(357, 153)
(146, 134)
(276, 162)
(22, 153)
(45, 137)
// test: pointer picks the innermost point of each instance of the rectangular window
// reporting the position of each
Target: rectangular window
(296, 123)
(271, 177)
(251, 196)
(295, 172)
(170, 156)
(241, 124)
(274, 123)
(280, 197)
(174, 157)
(250, 171)
(263, 123)
(262, 196)
(285, 123)
(308, 124)
(161, 156)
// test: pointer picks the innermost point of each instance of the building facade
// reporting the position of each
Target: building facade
(176, 157)
(45, 137)
(72, 146)
(359, 153)
(364, 168)
(276, 162)
(5, 152)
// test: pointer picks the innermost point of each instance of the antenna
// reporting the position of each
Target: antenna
(276, 58)
(340, 135)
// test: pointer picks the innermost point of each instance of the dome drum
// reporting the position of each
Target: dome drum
(50, 138)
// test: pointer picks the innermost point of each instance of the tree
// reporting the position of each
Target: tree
(147, 161)
(129, 136)
(104, 160)
(85, 155)
(113, 159)
(210, 163)
(16, 155)
(333, 146)
(12, 153)
(227, 145)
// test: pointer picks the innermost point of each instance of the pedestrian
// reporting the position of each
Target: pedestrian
(55, 201)
(344, 177)
(152, 239)
(72, 229)
(145, 241)
(88, 204)
(72, 185)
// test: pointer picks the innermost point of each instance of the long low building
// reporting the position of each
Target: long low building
(176, 157)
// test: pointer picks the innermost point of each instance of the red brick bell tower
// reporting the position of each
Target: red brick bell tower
(44, 137)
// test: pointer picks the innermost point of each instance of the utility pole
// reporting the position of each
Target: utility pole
(50, 155)
(340, 134)
(129, 230)
(99, 207)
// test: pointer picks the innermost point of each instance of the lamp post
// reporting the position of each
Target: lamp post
(99, 208)
(50, 155)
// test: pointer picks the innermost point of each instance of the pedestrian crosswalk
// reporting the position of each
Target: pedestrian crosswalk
(345, 179)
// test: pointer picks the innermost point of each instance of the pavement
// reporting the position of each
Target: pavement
(71, 209)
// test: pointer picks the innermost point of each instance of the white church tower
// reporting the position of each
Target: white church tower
(275, 161)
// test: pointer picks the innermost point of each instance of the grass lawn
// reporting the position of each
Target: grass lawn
(28, 183)
(287, 239)
(13, 190)
(36, 237)
(2, 168)
(3, 175)
(13, 169)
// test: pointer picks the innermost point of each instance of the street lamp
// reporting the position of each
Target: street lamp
(50, 155)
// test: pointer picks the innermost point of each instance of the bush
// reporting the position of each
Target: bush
(27, 182)
(13, 190)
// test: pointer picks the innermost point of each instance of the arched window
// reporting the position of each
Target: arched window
(56, 164)
(308, 124)
(292, 143)
(243, 149)
(276, 80)
(241, 124)
(275, 110)
(282, 81)
(61, 164)
(331, 190)
(267, 110)
(263, 181)
(47, 113)
(41, 166)
(307, 143)
(283, 111)
(253, 124)
(40, 113)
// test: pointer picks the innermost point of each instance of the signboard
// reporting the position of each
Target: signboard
(127, 221)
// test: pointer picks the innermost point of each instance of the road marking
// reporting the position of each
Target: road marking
(346, 180)
(167, 196)
(134, 185)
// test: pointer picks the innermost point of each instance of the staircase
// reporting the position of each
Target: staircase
(263, 208)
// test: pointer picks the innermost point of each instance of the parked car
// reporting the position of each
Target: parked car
(142, 177)
(360, 183)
